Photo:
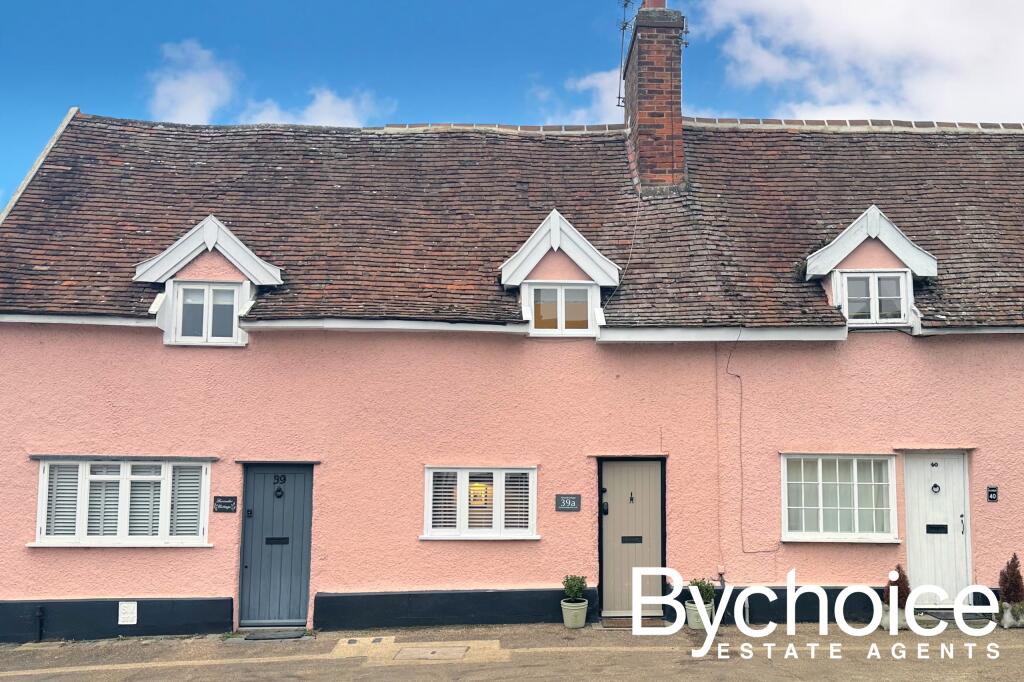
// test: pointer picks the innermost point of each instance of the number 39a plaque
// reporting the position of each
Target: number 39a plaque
(567, 503)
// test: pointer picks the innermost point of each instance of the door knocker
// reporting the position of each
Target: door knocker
(936, 488)
(279, 492)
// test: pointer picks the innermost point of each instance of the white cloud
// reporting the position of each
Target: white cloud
(598, 90)
(602, 87)
(191, 86)
(325, 108)
(941, 59)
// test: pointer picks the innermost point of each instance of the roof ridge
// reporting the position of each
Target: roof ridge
(390, 127)
(856, 125)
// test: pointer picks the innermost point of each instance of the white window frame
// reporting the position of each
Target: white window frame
(891, 537)
(595, 316)
(122, 539)
(206, 339)
(906, 296)
(462, 531)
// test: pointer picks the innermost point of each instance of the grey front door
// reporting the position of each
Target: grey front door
(278, 511)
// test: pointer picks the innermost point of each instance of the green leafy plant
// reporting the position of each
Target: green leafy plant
(902, 584)
(1011, 585)
(706, 589)
(575, 586)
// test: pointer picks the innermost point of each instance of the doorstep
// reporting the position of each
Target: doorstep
(272, 634)
(626, 623)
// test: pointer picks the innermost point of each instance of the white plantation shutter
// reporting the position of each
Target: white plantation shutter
(144, 500)
(444, 500)
(62, 499)
(186, 499)
(517, 500)
(481, 499)
(103, 498)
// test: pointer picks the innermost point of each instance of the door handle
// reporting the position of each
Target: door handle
(963, 526)
(604, 508)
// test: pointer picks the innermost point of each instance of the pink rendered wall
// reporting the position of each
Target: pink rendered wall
(376, 408)
(555, 265)
(210, 266)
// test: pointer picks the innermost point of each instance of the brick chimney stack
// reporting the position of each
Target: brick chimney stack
(654, 105)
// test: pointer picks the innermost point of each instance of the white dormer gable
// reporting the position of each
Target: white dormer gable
(872, 224)
(208, 235)
(557, 234)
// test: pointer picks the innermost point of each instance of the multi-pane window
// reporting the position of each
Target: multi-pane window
(562, 309)
(207, 313)
(878, 298)
(838, 498)
(480, 503)
(123, 502)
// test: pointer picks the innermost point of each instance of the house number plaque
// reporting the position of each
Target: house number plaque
(225, 504)
(992, 493)
(567, 503)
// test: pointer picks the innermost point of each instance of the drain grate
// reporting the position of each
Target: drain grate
(427, 653)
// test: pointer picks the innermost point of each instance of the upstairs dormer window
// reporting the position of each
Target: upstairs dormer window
(559, 309)
(206, 313)
(876, 298)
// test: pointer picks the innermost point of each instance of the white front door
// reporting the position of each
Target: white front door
(938, 534)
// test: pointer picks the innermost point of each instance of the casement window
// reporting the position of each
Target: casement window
(561, 309)
(838, 499)
(480, 504)
(876, 298)
(206, 314)
(122, 503)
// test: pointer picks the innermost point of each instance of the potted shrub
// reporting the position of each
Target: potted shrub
(1011, 595)
(574, 606)
(891, 611)
(707, 595)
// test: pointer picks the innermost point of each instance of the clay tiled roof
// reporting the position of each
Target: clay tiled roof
(413, 223)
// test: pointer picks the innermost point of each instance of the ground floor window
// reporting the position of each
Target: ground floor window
(131, 502)
(838, 499)
(480, 503)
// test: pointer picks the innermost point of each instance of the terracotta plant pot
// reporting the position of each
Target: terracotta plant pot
(693, 614)
(574, 613)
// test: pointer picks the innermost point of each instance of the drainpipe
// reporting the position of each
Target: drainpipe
(39, 623)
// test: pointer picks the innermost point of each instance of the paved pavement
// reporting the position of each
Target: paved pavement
(514, 651)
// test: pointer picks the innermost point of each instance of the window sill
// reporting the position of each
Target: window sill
(880, 326)
(489, 538)
(207, 344)
(551, 334)
(855, 539)
(126, 543)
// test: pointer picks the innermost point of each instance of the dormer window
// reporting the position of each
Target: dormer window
(210, 279)
(562, 309)
(207, 313)
(875, 298)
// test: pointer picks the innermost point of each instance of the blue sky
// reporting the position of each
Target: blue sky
(535, 61)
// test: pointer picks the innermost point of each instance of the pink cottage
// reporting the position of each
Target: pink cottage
(334, 377)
